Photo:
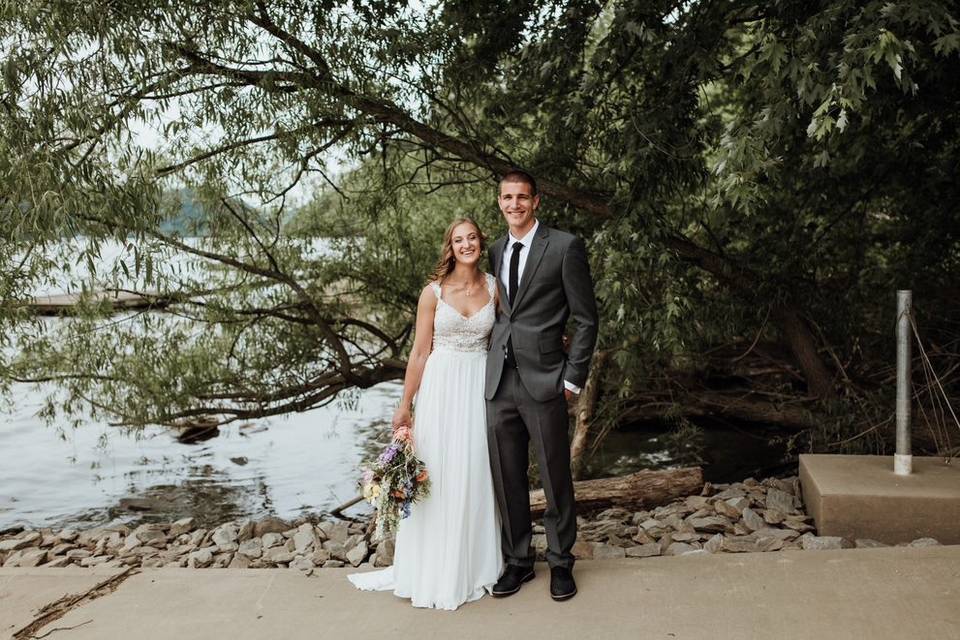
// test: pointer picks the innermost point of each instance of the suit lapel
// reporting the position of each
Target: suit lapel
(537, 249)
(496, 262)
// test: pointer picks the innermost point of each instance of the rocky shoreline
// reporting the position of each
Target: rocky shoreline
(748, 516)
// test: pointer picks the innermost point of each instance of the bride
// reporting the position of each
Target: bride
(448, 549)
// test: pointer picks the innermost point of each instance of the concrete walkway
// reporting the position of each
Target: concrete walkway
(864, 593)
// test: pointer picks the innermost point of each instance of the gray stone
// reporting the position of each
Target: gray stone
(868, 543)
(302, 564)
(246, 531)
(78, 554)
(32, 557)
(56, 563)
(714, 544)
(739, 544)
(277, 555)
(711, 524)
(320, 556)
(222, 560)
(752, 520)
(239, 562)
(697, 502)
(94, 561)
(604, 551)
(269, 525)
(769, 543)
(200, 558)
(925, 542)
(68, 535)
(385, 553)
(678, 549)
(773, 516)
(724, 508)
(14, 544)
(781, 501)
(643, 551)
(781, 534)
(272, 540)
(251, 548)
(336, 549)
(181, 526)
(824, 543)
(358, 554)
(686, 536)
(305, 539)
(332, 564)
(225, 535)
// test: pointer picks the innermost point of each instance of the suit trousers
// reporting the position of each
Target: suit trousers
(514, 420)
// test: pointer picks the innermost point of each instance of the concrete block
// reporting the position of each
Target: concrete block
(861, 497)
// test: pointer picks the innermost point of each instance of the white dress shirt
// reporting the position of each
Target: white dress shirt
(527, 242)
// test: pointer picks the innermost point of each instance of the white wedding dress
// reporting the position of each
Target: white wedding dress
(448, 550)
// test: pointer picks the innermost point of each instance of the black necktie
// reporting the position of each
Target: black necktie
(513, 279)
(513, 283)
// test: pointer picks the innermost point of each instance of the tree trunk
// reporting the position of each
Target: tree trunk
(804, 347)
(640, 490)
(791, 417)
(584, 413)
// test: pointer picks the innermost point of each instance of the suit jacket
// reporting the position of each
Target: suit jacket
(556, 284)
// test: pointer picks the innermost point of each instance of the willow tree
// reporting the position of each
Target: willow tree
(731, 165)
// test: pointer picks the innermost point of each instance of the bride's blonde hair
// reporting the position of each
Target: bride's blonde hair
(447, 261)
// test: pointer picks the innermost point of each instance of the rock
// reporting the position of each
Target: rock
(336, 531)
(153, 563)
(752, 520)
(60, 550)
(732, 492)
(78, 554)
(269, 525)
(301, 563)
(13, 560)
(643, 551)
(229, 547)
(320, 556)
(921, 542)
(686, 536)
(724, 508)
(780, 534)
(32, 557)
(739, 544)
(222, 560)
(332, 564)
(769, 543)
(196, 537)
(94, 561)
(200, 558)
(225, 535)
(696, 502)
(336, 549)
(49, 540)
(239, 562)
(642, 537)
(714, 544)
(773, 516)
(68, 535)
(56, 563)
(14, 544)
(781, 501)
(711, 524)
(824, 543)
(277, 555)
(305, 539)
(678, 549)
(251, 548)
(272, 540)
(385, 553)
(358, 554)
(144, 534)
(582, 550)
(868, 543)
(181, 526)
(246, 531)
(603, 551)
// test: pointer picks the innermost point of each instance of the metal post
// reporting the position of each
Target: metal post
(903, 458)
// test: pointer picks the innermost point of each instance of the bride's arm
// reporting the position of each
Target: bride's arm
(422, 345)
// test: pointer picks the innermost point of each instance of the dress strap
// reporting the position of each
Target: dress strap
(436, 289)
(491, 285)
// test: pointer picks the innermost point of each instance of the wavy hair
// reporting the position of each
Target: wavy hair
(447, 261)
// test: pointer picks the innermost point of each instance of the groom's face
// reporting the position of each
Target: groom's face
(519, 206)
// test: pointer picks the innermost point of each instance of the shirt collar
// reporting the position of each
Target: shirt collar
(527, 239)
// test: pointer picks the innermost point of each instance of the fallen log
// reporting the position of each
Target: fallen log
(640, 490)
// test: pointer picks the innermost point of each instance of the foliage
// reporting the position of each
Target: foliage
(738, 169)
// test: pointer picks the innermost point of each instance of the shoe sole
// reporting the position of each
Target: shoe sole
(504, 594)
(565, 596)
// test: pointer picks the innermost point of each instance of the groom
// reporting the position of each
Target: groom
(544, 278)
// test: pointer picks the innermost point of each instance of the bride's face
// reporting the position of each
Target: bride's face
(465, 241)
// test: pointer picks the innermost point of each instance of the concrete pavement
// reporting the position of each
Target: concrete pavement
(884, 593)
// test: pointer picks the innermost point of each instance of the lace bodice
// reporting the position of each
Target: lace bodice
(452, 331)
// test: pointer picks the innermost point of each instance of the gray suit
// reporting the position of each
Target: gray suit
(526, 403)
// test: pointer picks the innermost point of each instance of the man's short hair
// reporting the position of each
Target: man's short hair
(519, 175)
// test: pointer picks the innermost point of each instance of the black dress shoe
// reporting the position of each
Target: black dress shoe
(562, 586)
(512, 579)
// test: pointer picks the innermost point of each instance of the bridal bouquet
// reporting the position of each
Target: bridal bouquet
(394, 482)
